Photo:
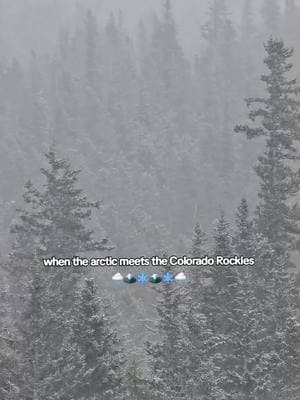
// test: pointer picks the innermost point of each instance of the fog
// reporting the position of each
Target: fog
(35, 24)
(156, 143)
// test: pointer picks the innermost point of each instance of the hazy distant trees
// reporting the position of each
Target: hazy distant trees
(271, 16)
(153, 134)
(141, 110)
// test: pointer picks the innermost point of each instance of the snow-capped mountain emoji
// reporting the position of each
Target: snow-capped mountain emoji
(155, 278)
(180, 277)
(117, 278)
(129, 278)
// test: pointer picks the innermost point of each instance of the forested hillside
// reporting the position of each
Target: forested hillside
(124, 140)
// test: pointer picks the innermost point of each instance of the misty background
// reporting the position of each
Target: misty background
(44, 43)
(142, 97)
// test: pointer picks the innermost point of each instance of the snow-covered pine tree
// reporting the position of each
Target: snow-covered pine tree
(199, 242)
(222, 280)
(244, 239)
(276, 218)
(243, 376)
(207, 323)
(38, 374)
(95, 342)
(167, 355)
(54, 222)
(278, 118)
(279, 361)
(198, 339)
(222, 237)
(198, 250)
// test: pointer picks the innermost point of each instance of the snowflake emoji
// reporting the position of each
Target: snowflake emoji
(142, 278)
(168, 277)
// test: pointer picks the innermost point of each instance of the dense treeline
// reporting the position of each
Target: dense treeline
(152, 129)
(162, 142)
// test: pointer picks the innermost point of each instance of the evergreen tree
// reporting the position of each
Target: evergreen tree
(198, 338)
(95, 343)
(167, 356)
(53, 223)
(168, 61)
(244, 239)
(222, 237)
(199, 344)
(217, 31)
(278, 116)
(218, 82)
(37, 343)
(279, 361)
(245, 346)
(218, 294)
(54, 220)
(91, 37)
(276, 220)
(199, 241)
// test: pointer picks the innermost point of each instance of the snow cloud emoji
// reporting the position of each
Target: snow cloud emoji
(180, 278)
(117, 278)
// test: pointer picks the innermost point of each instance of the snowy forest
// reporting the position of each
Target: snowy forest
(156, 128)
